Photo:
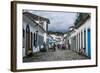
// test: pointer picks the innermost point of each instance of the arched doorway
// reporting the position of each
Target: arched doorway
(28, 41)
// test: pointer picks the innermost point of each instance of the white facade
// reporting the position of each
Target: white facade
(34, 27)
(78, 36)
(58, 38)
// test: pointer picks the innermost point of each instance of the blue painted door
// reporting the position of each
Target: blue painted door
(89, 43)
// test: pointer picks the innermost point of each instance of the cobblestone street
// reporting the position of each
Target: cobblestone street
(57, 55)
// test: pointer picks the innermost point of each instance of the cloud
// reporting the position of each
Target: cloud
(59, 21)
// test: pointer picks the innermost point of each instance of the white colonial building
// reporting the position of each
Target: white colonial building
(34, 33)
(79, 38)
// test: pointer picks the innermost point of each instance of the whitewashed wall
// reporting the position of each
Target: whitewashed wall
(85, 26)
(33, 29)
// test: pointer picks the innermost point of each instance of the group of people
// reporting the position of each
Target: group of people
(59, 46)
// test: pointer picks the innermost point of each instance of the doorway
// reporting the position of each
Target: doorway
(28, 41)
(89, 43)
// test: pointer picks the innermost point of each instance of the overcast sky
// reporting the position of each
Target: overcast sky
(59, 21)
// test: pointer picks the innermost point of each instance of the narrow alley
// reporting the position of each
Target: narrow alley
(43, 40)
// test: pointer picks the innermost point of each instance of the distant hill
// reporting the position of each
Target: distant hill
(55, 32)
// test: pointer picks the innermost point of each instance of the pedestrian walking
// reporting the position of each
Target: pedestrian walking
(54, 47)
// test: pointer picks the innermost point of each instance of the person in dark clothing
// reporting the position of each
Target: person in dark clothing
(68, 46)
(54, 47)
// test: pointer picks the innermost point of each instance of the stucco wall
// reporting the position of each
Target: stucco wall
(85, 26)
(33, 28)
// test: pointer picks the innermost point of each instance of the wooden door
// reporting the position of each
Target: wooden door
(27, 39)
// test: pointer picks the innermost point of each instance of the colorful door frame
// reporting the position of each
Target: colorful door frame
(89, 43)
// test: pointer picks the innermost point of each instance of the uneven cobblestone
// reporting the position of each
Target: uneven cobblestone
(57, 55)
